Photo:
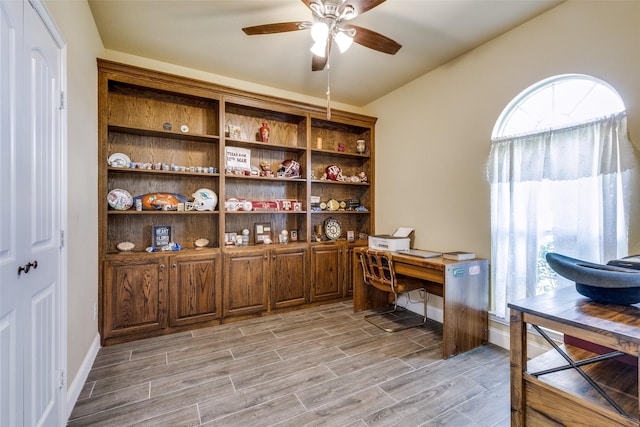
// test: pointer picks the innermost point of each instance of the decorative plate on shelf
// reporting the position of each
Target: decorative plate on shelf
(125, 246)
(119, 160)
(332, 228)
(119, 199)
(333, 205)
(201, 243)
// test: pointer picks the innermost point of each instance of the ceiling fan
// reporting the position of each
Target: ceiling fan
(329, 17)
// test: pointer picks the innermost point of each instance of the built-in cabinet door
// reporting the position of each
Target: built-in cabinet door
(194, 288)
(245, 282)
(327, 265)
(289, 276)
(134, 297)
(348, 271)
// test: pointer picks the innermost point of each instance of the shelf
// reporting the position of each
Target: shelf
(253, 246)
(265, 178)
(135, 212)
(330, 242)
(163, 133)
(142, 253)
(340, 212)
(264, 212)
(340, 154)
(162, 172)
(328, 181)
(231, 142)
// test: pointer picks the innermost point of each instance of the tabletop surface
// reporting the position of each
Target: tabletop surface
(566, 306)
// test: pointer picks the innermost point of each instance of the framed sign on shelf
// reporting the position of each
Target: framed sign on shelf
(262, 231)
(161, 235)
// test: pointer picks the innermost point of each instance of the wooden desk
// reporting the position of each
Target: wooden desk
(463, 286)
(565, 397)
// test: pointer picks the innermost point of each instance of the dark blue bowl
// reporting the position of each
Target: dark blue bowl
(603, 283)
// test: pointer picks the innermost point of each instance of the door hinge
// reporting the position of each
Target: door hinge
(62, 100)
(63, 380)
(61, 239)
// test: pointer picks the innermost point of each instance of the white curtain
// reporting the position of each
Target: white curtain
(570, 187)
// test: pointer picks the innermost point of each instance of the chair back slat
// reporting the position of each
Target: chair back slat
(377, 269)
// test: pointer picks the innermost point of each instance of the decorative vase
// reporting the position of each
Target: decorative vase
(264, 132)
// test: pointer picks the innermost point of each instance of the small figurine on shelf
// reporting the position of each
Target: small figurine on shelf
(264, 132)
(363, 177)
(341, 147)
(266, 169)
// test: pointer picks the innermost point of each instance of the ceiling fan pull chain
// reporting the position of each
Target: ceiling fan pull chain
(328, 91)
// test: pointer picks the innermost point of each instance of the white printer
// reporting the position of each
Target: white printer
(400, 240)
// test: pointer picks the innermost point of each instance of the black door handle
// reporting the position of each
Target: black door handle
(25, 268)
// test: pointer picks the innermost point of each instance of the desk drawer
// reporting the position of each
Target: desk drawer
(420, 272)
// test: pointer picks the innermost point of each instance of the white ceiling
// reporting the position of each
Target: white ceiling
(207, 36)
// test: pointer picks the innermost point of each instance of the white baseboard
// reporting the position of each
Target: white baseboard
(75, 387)
(499, 337)
(433, 312)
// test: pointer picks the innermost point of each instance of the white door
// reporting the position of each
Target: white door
(31, 159)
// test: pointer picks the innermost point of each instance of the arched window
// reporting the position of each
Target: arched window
(558, 102)
(561, 169)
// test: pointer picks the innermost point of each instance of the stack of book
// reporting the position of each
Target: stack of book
(458, 255)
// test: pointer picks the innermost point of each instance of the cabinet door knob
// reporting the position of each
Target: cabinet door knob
(161, 266)
(174, 265)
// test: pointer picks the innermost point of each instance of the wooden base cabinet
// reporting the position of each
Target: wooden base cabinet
(257, 280)
(167, 140)
(156, 294)
(134, 297)
(331, 266)
(195, 289)
(289, 271)
(245, 282)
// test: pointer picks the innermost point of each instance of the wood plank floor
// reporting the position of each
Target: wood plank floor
(318, 366)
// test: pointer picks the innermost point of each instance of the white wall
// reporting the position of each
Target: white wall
(433, 135)
(78, 29)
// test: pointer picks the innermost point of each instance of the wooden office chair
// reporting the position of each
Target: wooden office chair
(378, 271)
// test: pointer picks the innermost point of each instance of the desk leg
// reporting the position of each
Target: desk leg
(365, 297)
(518, 360)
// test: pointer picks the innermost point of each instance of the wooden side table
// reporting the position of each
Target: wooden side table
(569, 385)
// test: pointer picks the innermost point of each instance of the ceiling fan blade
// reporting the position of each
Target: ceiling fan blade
(319, 63)
(373, 40)
(281, 27)
(361, 6)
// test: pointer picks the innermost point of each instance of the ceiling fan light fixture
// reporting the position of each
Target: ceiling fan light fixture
(319, 32)
(348, 13)
(317, 9)
(319, 48)
(343, 41)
